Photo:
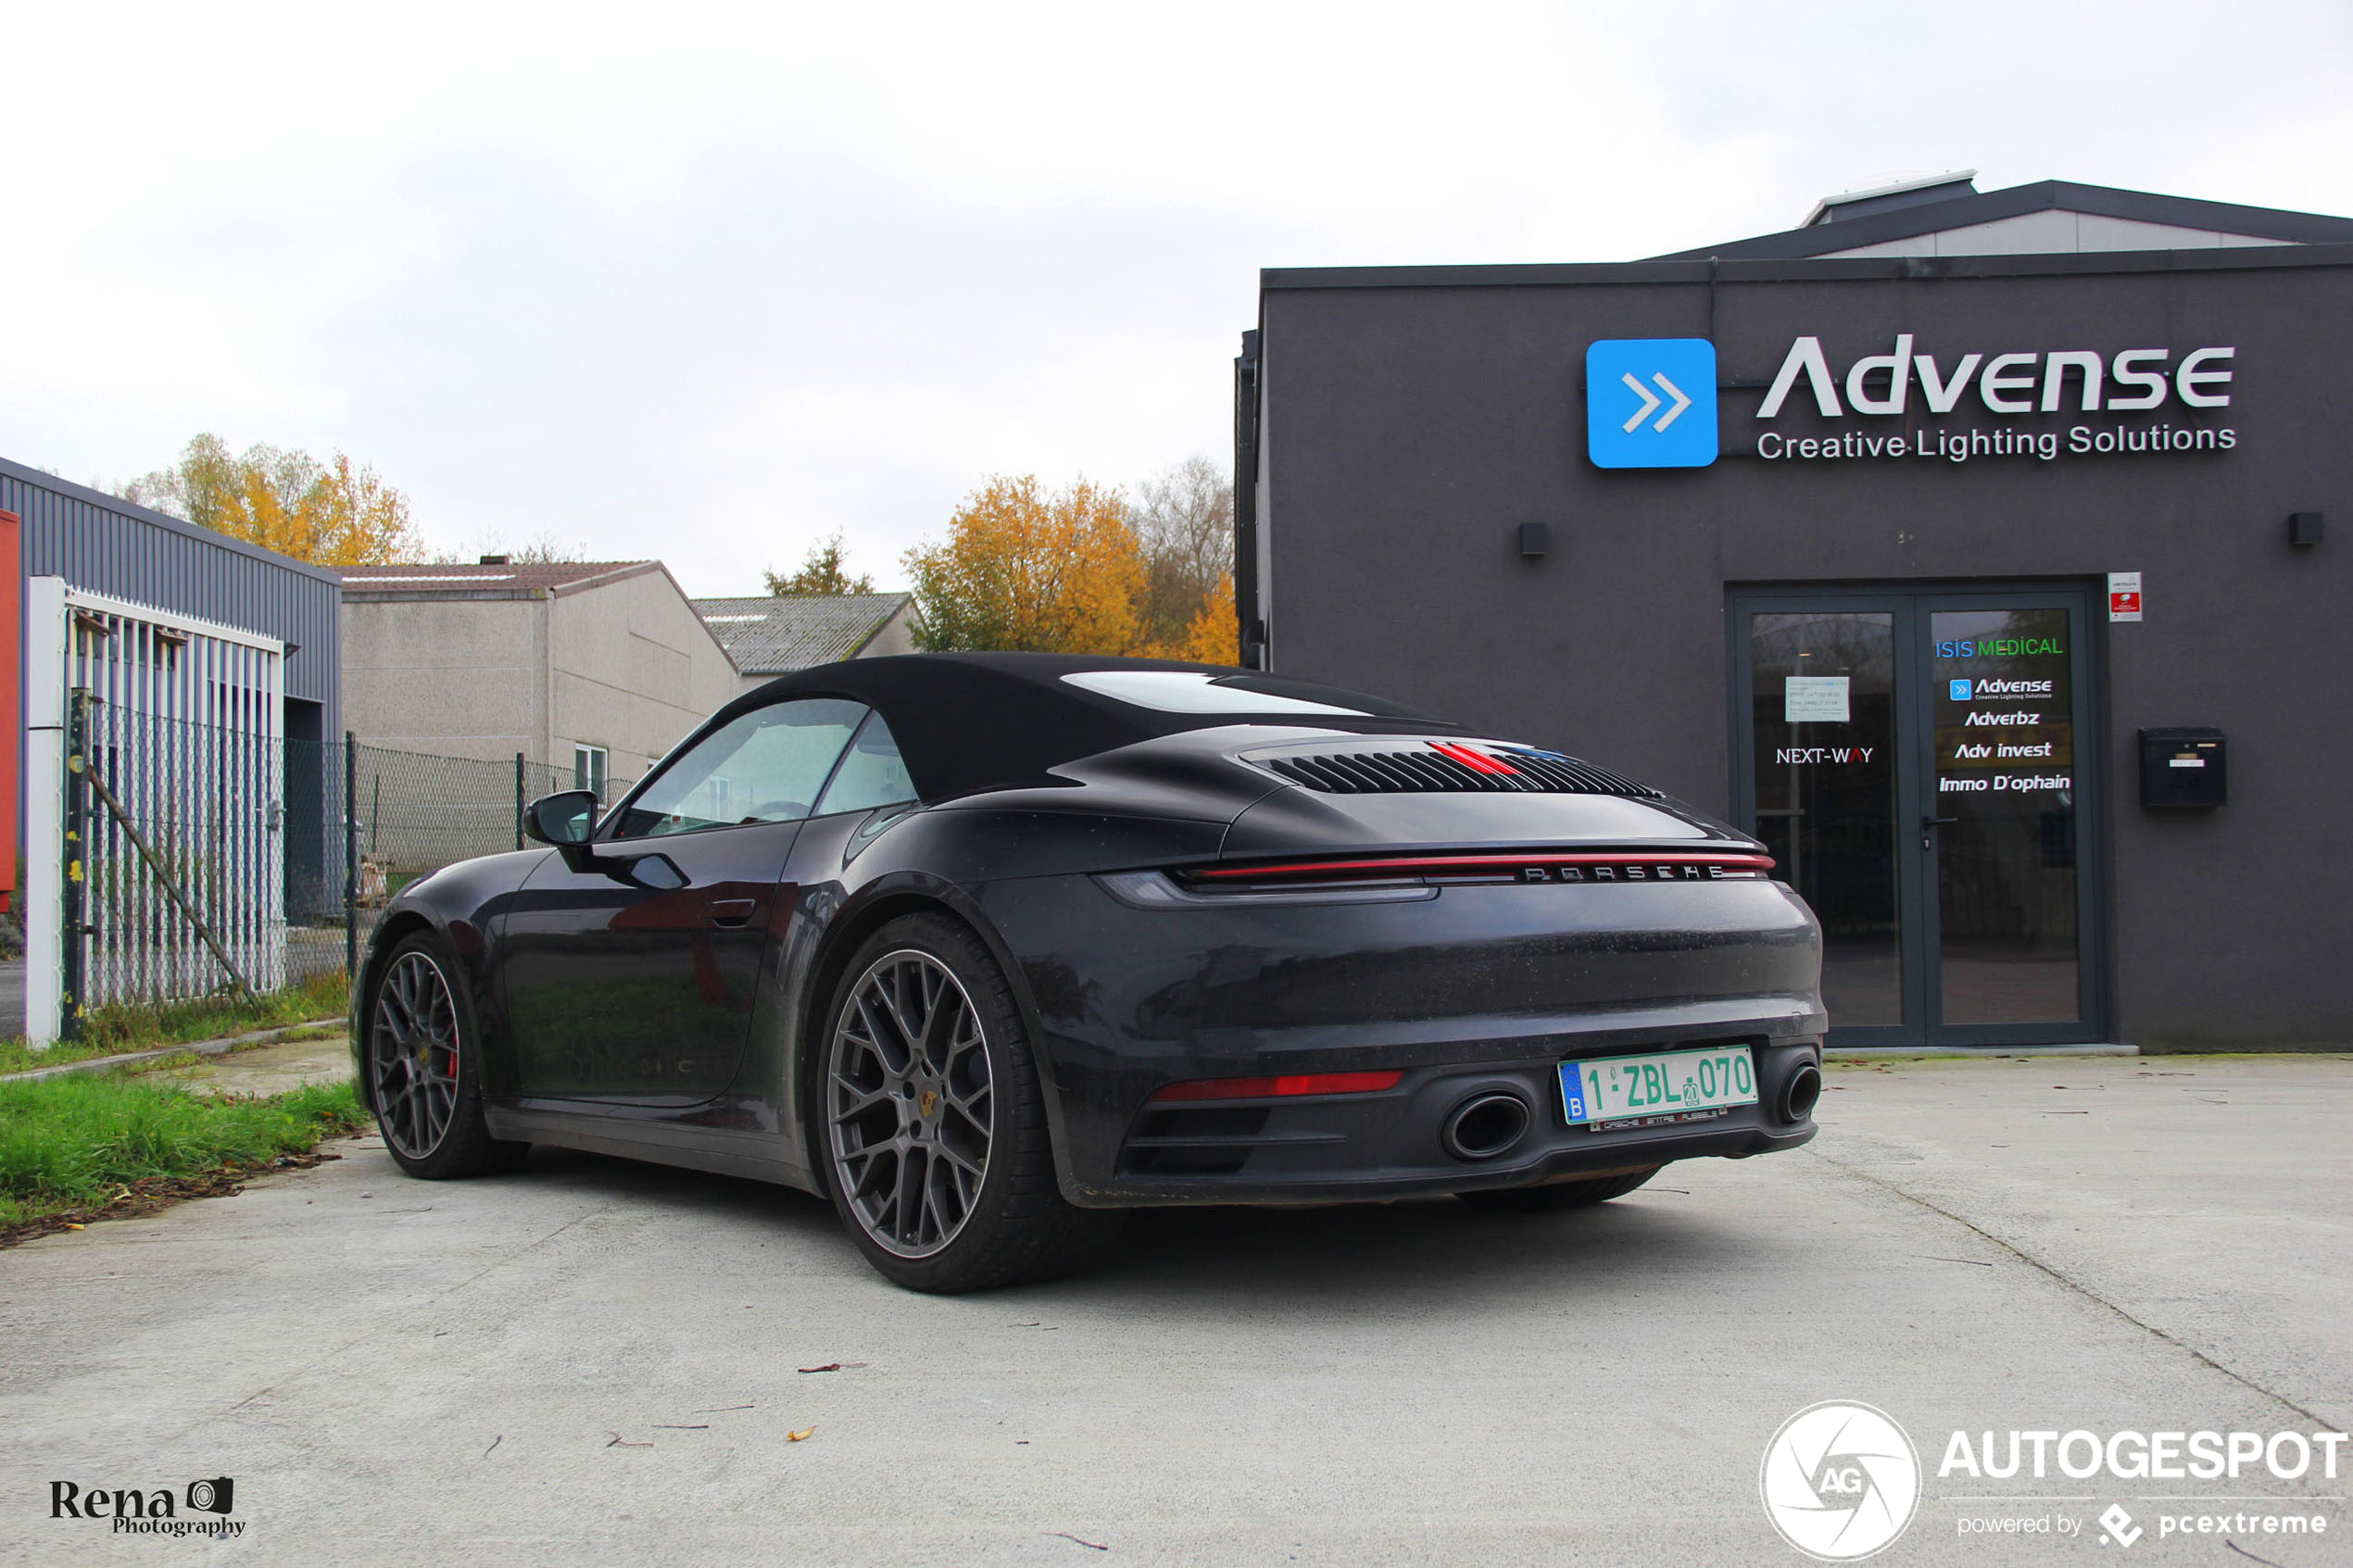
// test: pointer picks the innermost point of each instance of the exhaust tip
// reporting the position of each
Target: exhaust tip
(1484, 1126)
(1805, 1088)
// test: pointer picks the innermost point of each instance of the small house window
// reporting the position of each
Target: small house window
(588, 769)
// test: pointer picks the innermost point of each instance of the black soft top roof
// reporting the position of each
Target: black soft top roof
(972, 722)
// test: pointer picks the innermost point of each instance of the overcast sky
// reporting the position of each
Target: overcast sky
(708, 282)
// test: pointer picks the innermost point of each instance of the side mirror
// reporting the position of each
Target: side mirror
(564, 819)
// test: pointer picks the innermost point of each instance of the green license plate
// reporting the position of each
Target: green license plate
(1669, 1086)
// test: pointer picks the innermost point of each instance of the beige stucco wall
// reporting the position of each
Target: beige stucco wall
(632, 669)
(448, 677)
(626, 665)
(897, 636)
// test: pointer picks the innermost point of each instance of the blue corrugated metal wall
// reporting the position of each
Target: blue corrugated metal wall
(104, 545)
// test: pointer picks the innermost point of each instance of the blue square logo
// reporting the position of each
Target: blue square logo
(1650, 403)
(1959, 690)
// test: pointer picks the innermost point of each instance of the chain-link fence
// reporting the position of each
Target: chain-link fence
(180, 832)
(412, 813)
(214, 857)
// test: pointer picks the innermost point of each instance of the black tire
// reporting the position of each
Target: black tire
(898, 1144)
(1554, 1197)
(423, 1066)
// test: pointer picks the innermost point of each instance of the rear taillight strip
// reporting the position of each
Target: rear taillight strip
(1279, 1087)
(1441, 865)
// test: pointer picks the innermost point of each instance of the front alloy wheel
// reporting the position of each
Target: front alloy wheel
(424, 1067)
(412, 1056)
(910, 1104)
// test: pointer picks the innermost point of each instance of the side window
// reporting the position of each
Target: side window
(871, 776)
(766, 766)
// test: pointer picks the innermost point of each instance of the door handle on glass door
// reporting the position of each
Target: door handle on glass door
(729, 911)
(1929, 826)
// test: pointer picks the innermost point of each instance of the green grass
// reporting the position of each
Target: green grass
(107, 1030)
(77, 1141)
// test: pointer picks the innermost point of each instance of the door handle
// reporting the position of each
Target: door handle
(1929, 826)
(730, 912)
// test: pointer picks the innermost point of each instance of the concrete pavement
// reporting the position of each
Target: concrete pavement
(592, 1361)
(264, 1070)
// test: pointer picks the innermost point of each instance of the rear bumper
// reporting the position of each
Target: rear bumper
(1477, 989)
(1387, 1145)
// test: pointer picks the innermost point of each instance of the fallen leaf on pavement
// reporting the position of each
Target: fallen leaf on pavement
(801, 1437)
(829, 1366)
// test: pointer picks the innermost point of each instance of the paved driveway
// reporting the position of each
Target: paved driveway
(593, 1361)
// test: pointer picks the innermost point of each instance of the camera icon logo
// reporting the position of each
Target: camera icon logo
(216, 1495)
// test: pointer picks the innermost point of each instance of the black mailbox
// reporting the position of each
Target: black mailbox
(2184, 769)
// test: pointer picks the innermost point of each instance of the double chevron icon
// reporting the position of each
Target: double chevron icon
(1650, 403)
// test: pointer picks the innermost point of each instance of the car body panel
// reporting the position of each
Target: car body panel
(632, 975)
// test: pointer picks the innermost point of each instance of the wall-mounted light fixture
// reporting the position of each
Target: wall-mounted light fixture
(1535, 540)
(2304, 528)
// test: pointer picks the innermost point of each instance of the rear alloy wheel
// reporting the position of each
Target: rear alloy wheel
(913, 1106)
(1553, 1197)
(933, 1123)
(423, 1079)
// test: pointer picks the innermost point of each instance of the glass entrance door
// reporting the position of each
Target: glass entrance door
(1823, 707)
(2000, 830)
(1910, 758)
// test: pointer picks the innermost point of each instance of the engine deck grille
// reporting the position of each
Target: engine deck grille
(1431, 770)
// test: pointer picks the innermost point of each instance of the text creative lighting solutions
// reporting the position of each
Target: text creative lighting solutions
(2073, 380)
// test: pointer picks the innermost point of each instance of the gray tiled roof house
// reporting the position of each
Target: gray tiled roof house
(771, 635)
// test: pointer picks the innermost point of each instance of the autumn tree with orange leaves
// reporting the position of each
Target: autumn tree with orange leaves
(1029, 572)
(1074, 571)
(334, 513)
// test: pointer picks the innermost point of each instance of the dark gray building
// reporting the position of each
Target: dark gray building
(106, 544)
(1907, 540)
(215, 668)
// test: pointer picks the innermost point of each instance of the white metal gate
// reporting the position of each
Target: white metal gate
(172, 879)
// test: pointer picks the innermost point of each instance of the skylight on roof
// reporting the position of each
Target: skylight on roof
(442, 577)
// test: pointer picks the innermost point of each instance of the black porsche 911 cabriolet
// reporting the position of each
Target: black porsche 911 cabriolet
(986, 947)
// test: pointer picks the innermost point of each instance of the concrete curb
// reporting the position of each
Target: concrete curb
(131, 1059)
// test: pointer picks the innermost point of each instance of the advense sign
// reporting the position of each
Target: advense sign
(2134, 380)
(1668, 417)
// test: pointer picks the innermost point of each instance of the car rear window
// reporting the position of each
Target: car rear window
(1192, 691)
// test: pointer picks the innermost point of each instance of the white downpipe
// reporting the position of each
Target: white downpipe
(44, 808)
